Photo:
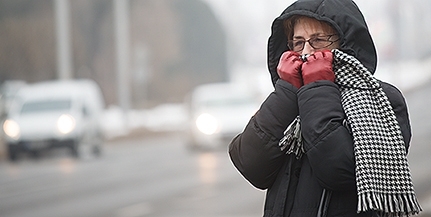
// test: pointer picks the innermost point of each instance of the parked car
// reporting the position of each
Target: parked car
(55, 114)
(218, 112)
(8, 89)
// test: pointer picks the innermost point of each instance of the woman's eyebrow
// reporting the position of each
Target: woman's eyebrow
(311, 36)
(298, 37)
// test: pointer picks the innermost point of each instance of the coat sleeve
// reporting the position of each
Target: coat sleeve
(255, 152)
(327, 142)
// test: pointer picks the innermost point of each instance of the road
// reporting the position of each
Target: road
(153, 176)
(157, 176)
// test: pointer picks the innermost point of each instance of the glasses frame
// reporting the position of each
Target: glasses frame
(311, 39)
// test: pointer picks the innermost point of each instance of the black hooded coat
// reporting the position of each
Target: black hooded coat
(301, 187)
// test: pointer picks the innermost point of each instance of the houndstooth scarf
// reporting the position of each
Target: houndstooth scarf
(383, 177)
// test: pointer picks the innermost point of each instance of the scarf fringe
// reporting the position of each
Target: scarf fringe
(291, 143)
(389, 205)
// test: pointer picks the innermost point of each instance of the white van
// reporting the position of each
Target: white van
(218, 112)
(53, 114)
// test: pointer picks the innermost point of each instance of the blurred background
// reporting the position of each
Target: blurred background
(142, 97)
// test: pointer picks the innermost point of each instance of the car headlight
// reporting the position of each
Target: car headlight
(207, 124)
(66, 124)
(11, 129)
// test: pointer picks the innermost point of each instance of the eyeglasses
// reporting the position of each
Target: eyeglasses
(318, 42)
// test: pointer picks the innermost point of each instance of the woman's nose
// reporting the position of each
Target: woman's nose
(307, 49)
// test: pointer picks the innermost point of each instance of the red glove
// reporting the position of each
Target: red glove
(289, 68)
(318, 67)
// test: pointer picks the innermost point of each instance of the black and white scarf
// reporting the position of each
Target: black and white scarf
(383, 176)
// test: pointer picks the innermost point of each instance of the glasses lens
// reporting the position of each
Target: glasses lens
(320, 42)
(296, 45)
(317, 43)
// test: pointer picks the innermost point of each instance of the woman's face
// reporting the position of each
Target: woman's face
(308, 28)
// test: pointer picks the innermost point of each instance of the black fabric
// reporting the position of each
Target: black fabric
(328, 164)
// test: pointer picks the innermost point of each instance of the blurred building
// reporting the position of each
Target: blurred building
(176, 45)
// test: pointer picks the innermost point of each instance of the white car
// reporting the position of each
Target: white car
(53, 114)
(218, 112)
(8, 89)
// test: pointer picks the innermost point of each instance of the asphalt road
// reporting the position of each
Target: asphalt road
(157, 176)
(153, 176)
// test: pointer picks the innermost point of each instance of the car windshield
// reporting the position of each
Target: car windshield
(45, 106)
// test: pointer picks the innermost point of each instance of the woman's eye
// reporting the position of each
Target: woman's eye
(298, 43)
(319, 40)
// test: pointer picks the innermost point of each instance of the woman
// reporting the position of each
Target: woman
(330, 140)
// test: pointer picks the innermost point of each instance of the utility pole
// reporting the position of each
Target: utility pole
(64, 59)
(121, 13)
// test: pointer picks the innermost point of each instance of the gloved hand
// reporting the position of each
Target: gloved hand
(318, 67)
(289, 68)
